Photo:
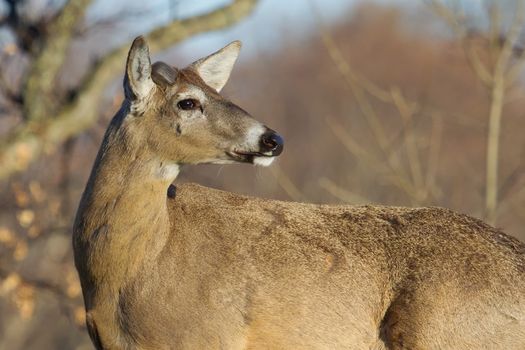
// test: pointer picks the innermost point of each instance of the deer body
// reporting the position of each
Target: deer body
(214, 270)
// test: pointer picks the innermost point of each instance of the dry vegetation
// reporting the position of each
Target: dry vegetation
(372, 110)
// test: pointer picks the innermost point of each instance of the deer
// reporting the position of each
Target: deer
(190, 267)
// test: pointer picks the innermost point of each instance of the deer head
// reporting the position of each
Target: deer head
(181, 118)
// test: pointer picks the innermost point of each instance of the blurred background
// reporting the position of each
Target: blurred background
(414, 103)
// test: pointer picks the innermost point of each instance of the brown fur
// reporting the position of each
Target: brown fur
(213, 270)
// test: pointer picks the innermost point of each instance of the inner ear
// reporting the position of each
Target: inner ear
(216, 68)
(137, 81)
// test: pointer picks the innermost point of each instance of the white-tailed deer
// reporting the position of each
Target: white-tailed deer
(213, 270)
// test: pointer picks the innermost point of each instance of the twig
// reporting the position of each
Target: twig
(341, 193)
(433, 155)
(286, 184)
(412, 185)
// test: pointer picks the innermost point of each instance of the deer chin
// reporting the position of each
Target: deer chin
(263, 161)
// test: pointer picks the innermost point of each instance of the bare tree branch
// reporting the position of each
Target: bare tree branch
(406, 111)
(342, 193)
(286, 184)
(40, 99)
(498, 90)
(24, 147)
(497, 76)
(433, 155)
(388, 163)
(462, 33)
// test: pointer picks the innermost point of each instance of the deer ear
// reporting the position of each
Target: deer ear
(216, 68)
(137, 81)
(163, 74)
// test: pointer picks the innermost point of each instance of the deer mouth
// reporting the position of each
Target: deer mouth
(247, 156)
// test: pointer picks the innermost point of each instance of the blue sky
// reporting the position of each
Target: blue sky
(263, 30)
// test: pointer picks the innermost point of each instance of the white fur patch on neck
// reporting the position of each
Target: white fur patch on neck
(263, 161)
(168, 171)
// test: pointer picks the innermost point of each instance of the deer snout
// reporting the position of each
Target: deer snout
(271, 142)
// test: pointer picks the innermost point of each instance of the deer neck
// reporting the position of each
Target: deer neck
(123, 215)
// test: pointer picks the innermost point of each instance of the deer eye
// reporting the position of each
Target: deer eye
(188, 104)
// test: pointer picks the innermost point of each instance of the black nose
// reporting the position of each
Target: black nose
(272, 142)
